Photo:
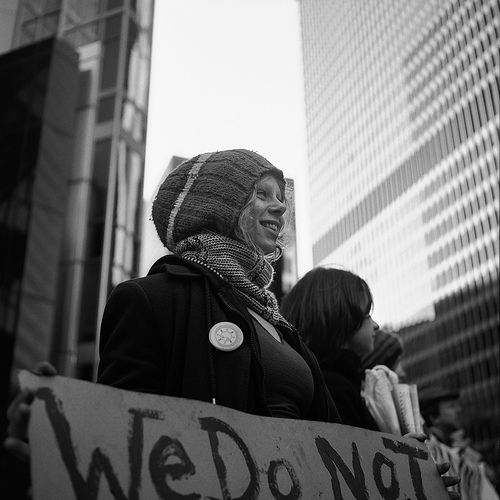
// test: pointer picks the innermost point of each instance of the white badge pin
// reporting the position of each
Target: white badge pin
(226, 336)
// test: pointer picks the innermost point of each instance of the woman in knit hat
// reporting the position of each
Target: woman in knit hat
(203, 324)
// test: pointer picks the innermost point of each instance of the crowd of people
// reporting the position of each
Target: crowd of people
(223, 216)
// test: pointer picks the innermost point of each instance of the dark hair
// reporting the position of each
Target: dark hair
(327, 305)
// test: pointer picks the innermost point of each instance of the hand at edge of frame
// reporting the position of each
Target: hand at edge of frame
(19, 412)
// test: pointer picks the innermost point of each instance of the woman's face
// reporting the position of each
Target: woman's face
(266, 211)
(362, 341)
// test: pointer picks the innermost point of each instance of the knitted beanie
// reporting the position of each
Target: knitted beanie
(387, 349)
(207, 193)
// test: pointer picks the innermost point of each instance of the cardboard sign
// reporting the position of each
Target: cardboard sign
(93, 442)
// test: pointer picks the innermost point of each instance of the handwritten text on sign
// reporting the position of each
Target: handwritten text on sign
(93, 442)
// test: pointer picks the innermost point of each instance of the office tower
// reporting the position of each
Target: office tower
(101, 240)
(39, 88)
(37, 118)
(402, 109)
(73, 130)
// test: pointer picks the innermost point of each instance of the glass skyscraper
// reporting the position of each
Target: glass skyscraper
(73, 128)
(402, 110)
(101, 239)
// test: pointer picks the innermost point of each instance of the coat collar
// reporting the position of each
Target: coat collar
(183, 268)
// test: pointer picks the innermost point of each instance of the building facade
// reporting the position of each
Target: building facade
(73, 131)
(37, 129)
(37, 124)
(101, 240)
(402, 110)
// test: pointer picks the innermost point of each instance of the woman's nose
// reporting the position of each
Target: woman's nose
(277, 206)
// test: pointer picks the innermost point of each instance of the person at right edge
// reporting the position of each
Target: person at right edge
(447, 441)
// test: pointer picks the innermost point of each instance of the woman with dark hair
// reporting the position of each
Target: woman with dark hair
(331, 308)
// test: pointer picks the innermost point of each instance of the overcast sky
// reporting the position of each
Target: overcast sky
(228, 74)
(225, 74)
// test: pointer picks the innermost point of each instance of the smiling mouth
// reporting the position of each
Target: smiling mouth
(273, 226)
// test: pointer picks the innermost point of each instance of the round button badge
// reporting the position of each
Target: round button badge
(226, 336)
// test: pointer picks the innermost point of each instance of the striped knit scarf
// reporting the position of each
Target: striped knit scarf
(249, 273)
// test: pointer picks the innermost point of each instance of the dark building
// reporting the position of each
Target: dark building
(460, 348)
(74, 115)
(101, 240)
(38, 95)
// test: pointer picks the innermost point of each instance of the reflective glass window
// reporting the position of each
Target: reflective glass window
(113, 4)
(28, 30)
(490, 251)
(112, 26)
(109, 65)
(490, 107)
(51, 5)
(106, 109)
(84, 35)
(50, 23)
(102, 158)
(89, 303)
(483, 115)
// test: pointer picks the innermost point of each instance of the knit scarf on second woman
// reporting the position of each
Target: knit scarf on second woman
(248, 272)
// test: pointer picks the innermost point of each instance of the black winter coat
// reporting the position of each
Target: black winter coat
(344, 383)
(154, 339)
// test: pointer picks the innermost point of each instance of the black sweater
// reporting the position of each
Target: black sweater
(154, 339)
(344, 383)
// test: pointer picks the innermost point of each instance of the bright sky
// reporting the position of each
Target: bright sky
(228, 74)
